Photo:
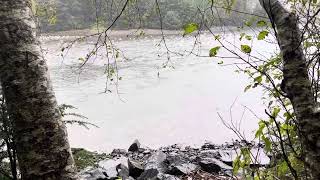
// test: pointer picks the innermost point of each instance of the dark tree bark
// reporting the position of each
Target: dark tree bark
(296, 83)
(40, 135)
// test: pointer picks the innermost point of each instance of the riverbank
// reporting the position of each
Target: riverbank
(175, 162)
(112, 34)
(128, 34)
(117, 33)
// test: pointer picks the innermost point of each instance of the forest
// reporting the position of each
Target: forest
(159, 89)
(61, 15)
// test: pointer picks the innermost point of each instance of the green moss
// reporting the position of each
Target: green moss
(84, 158)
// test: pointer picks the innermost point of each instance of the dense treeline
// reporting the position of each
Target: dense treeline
(59, 15)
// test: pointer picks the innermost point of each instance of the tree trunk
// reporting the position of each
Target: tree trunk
(40, 135)
(296, 83)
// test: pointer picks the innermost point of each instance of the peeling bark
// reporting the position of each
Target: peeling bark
(296, 82)
(40, 135)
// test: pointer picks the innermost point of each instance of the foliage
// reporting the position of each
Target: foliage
(214, 51)
(84, 158)
(77, 119)
(60, 15)
(9, 168)
(190, 28)
(279, 132)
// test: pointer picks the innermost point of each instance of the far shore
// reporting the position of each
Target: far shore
(113, 34)
(120, 34)
(127, 32)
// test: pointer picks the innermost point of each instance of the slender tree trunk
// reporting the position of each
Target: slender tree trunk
(40, 135)
(296, 83)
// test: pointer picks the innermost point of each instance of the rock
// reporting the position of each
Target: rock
(156, 161)
(92, 174)
(229, 163)
(212, 165)
(153, 174)
(135, 168)
(134, 146)
(210, 154)
(112, 166)
(112, 163)
(146, 151)
(149, 174)
(208, 145)
(179, 164)
(182, 169)
(119, 152)
(174, 158)
(154, 166)
(123, 171)
(111, 172)
(167, 177)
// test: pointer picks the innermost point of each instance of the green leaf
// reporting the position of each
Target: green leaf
(275, 111)
(267, 143)
(259, 132)
(283, 168)
(287, 127)
(261, 23)
(308, 44)
(246, 49)
(189, 28)
(249, 38)
(262, 35)
(214, 51)
(247, 88)
(248, 23)
(241, 36)
(258, 79)
(216, 37)
(288, 115)
(236, 165)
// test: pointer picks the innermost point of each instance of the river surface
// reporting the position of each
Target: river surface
(159, 106)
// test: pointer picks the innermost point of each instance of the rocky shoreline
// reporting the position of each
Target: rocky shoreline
(173, 162)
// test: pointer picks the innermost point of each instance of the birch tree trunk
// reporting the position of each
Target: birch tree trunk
(40, 135)
(296, 83)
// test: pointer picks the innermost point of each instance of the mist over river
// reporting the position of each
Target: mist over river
(159, 106)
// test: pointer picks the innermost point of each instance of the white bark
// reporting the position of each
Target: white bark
(40, 135)
(296, 82)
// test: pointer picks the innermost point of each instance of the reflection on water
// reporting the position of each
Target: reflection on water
(156, 105)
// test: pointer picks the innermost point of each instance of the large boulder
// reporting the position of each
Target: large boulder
(149, 174)
(154, 166)
(92, 174)
(134, 147)
(212, 165)
(182, 169)
(156, 161)
(135, 168)
(122, 171)
(115, 167)
(179, 164)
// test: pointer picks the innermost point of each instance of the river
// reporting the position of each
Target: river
(159, 106)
